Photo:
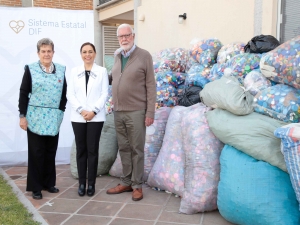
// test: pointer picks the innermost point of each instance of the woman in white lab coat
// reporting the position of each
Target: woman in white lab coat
(87, 91)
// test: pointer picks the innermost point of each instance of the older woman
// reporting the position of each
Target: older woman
(87, 91)
(42, 103)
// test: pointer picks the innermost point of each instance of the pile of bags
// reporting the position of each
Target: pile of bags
(177, 69)
(188, 162)
(257, 168)
(226, 132)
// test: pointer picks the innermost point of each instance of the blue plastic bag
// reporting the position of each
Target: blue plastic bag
(253, 192)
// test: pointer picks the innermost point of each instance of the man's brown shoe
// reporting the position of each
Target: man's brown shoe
(137, 194)
(119, 189)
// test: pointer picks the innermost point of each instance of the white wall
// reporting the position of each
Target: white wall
(227, 20)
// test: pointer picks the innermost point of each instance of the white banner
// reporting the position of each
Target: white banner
(20, 30)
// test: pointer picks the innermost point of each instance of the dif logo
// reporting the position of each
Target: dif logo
(17, 26)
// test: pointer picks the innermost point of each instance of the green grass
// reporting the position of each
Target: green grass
(12, 211)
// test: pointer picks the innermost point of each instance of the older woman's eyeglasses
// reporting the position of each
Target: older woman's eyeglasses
(120, 37)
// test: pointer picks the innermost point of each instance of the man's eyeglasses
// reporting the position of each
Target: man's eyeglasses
(120, 37)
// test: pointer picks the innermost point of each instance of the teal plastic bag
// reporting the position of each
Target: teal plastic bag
(253, 192)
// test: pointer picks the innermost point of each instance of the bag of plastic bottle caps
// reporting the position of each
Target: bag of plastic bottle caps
(202, 167)
(243, 64)
(154, 138)
(166, 96)
(156, 65)
(109, 105)
(253, 192)
(216, 71)
(255, 82)
(230, 50)
(282, 64)
(290, 139)
(168, 170)
(173, 59)
(197, 75)
(280, 102)
(170, 77)
(205, 51)
(117, 169)
(190, 62)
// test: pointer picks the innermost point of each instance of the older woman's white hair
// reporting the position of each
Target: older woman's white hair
(45, 41)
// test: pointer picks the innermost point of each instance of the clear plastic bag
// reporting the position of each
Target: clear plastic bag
(282, 64)
(166, 96)
(169, 77)
(255, 82)
(230, 50)
(174, 59)
(216, 72)
(117, 169)
(205, 51)
(280, 102)
(243, 64)
(202, 167)
(154, 138)
(197, 75)
(168, 170)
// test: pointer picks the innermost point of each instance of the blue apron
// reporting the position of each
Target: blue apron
(43, 114)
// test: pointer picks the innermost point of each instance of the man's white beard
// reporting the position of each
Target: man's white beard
(126, 48)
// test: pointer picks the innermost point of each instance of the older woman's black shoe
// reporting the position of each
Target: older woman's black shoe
(37, 195)
(90, 190)
(81, 190)
(53, 190)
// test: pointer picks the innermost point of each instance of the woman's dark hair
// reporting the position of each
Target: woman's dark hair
(88, 43)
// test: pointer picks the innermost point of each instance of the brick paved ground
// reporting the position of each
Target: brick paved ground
(66, 207)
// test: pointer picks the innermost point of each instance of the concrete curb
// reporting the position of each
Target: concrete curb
(36, 216)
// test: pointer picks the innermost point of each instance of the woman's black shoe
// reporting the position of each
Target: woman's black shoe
(53, 190)
(37, 195)
(91, 190)
(81, 190)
